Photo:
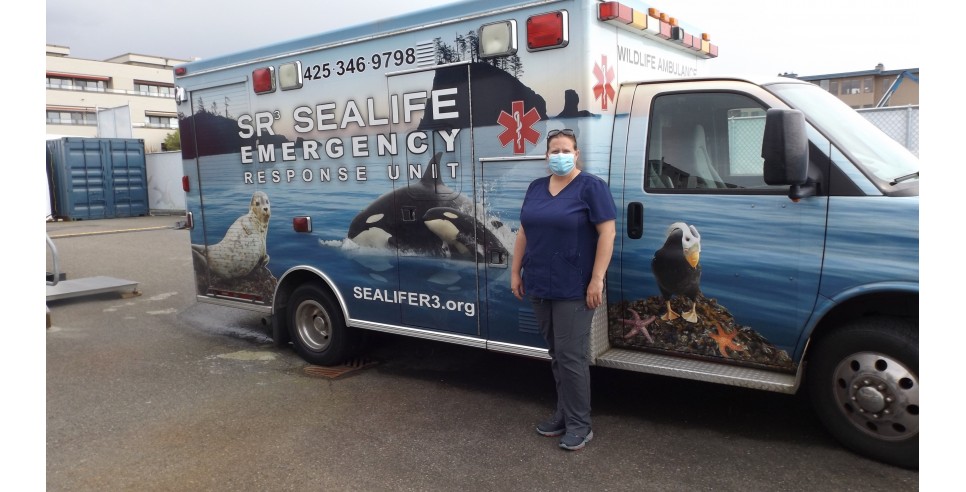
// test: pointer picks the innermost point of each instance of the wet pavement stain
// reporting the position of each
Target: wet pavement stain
(249, 355)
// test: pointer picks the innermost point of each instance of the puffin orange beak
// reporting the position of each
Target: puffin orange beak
(692, 254)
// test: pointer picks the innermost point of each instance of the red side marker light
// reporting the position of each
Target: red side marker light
(185, 184)
(302, 224)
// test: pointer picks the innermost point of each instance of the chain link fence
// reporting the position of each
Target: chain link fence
(901, 123)
(744, 145)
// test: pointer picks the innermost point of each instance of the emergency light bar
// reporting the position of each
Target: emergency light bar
(657, 25)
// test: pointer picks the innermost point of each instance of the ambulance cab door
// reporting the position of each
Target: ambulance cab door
(712, 262)
(435, 210)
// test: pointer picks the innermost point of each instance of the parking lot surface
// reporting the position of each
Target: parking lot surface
(150, 390)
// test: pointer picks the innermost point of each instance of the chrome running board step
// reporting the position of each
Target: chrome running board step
(711, 372)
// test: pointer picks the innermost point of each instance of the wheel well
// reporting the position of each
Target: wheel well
(891, 304)
(283, 293)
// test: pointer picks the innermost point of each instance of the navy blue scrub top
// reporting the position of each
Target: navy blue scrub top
(561, 235)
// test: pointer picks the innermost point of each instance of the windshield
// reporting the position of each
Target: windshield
(874, 152)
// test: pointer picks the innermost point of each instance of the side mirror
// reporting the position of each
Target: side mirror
(785, 148)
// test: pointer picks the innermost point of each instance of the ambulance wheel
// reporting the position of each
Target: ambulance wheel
(863, 381)
(317, 327)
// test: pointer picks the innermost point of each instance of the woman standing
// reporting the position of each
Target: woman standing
(563, 248)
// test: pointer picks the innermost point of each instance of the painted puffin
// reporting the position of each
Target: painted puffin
(676, 268)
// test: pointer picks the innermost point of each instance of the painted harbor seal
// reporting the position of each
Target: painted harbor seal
(243, 247)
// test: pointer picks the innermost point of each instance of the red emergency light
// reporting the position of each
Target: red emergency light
(180, 71)
(615, 11)
(665, 32)
(547, 31)
(263, 80)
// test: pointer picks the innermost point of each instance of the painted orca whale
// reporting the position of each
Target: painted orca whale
(382, 224)
(467, 237)
(438, 222)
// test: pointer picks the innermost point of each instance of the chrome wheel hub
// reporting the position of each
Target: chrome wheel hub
(879, 395)
(313, 325)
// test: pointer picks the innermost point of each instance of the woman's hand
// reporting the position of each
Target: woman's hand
(516, 286)
(606, 232)
(595, 293)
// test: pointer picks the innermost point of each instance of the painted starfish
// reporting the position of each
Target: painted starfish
(725, 341)
(638, 325)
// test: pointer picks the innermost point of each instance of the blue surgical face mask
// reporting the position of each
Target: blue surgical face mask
(561, 164)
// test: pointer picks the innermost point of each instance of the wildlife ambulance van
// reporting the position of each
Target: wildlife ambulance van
(371, 178)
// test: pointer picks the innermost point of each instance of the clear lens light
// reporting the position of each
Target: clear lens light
(497, 39)
(290, 76)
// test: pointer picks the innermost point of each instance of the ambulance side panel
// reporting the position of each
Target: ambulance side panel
(409, 155)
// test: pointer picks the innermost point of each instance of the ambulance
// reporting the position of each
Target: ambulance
(371, 178)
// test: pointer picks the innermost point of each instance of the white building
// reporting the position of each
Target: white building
(138, 89)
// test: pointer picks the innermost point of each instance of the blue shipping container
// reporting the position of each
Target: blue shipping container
(97, 178)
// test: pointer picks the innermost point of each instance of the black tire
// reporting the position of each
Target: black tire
(863, 380)
(317, 327)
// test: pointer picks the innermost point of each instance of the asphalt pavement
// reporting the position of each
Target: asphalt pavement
(150, 390)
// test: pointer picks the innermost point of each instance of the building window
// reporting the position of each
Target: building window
(157, 90)
(154, 121)
(833, 87)
(76, 84)
(82, 118)
(867, 86)
(851, 86)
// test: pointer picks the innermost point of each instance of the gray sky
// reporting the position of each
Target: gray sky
(755, 37)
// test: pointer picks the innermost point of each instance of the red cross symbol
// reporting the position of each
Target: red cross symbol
(519, 127)
(603, 90)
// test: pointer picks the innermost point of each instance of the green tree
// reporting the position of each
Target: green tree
(172, 141)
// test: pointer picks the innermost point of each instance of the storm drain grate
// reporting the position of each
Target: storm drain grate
(334, 372)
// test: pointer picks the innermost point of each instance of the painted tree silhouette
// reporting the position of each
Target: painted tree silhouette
(468, 46)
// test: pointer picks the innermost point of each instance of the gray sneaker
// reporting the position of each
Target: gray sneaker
(551, 427)
(573, 442)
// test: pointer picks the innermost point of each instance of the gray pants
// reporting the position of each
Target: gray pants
(565, 325)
